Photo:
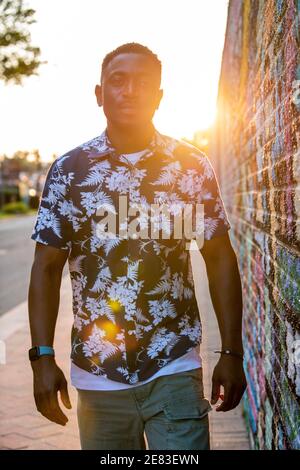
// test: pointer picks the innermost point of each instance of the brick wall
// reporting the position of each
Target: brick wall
(255, 150)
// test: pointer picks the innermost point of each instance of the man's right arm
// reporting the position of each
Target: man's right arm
(43, 305)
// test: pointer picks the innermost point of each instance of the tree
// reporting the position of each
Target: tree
(18, 58)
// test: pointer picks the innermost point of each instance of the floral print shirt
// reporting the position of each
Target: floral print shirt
(134, 301)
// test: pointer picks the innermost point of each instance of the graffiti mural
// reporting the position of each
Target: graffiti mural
(255, 150)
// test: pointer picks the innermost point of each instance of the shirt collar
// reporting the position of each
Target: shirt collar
(101, 146)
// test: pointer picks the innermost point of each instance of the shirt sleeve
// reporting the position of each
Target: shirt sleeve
(213, 220)
(53, 225)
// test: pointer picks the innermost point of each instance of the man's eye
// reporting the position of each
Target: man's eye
(116, 80)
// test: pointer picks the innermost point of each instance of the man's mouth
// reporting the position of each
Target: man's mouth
(130, 107)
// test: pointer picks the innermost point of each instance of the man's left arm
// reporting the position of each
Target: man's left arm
(226, 294)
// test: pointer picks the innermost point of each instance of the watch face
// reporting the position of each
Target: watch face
(33, 354)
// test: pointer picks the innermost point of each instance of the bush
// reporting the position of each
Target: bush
(18, 207)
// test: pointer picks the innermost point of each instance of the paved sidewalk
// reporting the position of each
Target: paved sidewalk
(22, 427)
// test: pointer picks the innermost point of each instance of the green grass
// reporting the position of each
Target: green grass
(4, 216)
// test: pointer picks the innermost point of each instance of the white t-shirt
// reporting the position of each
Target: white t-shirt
(87, 381)
(84, 380)
(133, 157)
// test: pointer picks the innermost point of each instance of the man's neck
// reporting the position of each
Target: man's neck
(130, 140)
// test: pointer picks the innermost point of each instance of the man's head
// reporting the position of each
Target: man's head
(130, 85)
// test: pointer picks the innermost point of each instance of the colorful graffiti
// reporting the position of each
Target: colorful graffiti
(255, 151)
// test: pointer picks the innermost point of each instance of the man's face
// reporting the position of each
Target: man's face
(129, 92)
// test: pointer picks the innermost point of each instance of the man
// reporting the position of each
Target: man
(136, 332)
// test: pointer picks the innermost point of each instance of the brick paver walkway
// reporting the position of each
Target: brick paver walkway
(22, 427)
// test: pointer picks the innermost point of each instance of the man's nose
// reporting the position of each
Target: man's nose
(130, 88)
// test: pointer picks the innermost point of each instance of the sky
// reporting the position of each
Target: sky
(57, 110)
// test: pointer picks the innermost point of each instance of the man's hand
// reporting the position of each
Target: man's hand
(230, 374)
(48, 380)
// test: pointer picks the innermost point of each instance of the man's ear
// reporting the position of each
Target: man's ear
(98, 93)
(160, 94)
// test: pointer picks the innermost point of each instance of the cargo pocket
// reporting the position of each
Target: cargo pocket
(185, 409)
(188, 424)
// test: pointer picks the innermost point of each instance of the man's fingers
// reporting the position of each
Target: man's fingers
(215, 391)
(232, 397)
(228, 397)
(237, 397)
(51, 416)
(56, 409)
(48, 406)
(64, 394)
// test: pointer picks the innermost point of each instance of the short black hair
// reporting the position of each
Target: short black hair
(134, 47)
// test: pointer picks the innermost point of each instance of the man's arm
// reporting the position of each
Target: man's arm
(226, 294)
(43, 304)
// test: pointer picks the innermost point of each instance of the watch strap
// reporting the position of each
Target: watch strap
(45, 350)
(37, 351)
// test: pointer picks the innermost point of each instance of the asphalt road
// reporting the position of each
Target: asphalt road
(16, 256)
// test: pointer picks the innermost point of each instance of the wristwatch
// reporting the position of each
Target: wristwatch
(37, 351)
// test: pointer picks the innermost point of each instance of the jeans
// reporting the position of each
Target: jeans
(170, 410)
